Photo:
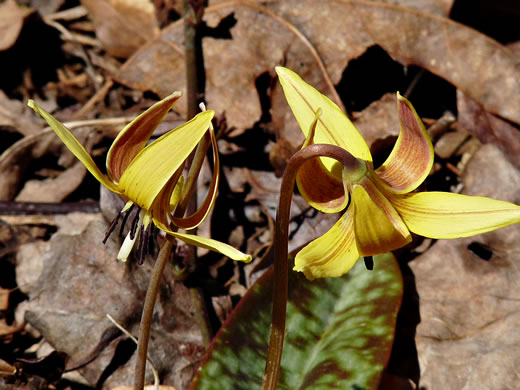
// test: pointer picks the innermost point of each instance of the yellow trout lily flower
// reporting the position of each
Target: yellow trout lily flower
(150, 176)
(380, 211)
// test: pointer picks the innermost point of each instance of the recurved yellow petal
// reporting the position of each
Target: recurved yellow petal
(332, 254)
(321, 188)
(135, 135)
(333, 126)
(412, 156)
(207, 243)
(194, 220)
(448, 215)
(153, 167)
(377, 225)
(73, 145)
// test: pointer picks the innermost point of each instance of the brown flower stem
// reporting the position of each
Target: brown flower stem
(147, 315)
(194, 85)
(162, 258)
(281, 240)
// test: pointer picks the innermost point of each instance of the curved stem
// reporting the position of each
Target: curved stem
(147, 315)
(281, 239)
(193, 53)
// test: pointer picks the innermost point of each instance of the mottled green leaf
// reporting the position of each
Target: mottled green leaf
(339, 332)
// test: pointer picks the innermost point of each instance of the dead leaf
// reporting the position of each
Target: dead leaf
(470, 307)
(11, 22)
(13, 114)
(283, 32)
(149, 387)
(17, 158)
(306, 223)
(4, 298)
(123, 26)
(6, 330)
(53, 190)
(82, 281)
(488, 128)
(6, 368)
(379, 120)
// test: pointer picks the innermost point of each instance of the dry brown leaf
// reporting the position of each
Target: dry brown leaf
(379, 120)
(470, 308)
(273, 34)
(488, 128)
(17, 158)
(82, 281)
(6, 368)
(6, 330)
(123, 26)
(265, 189)
(149, 387)
(53, 190)
(11, 22)
(4, 298)
(13, 114)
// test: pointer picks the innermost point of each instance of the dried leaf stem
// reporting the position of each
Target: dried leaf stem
(281, 239)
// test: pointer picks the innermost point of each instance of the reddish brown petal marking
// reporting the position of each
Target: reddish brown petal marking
(319, 187)
(411, 160)
(134, 137)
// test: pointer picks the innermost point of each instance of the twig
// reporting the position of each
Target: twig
(98, 96)
(31, 208)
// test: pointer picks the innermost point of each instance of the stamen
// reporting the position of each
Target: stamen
(141, 245)
(369, 262)
(135, 223)
(125, 218)
(112, 227)
(151, 241)
(131, 237)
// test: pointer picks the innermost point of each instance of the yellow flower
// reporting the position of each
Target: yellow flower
(380, 211)
(150, 176)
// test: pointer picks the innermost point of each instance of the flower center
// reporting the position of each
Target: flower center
(141, 230)
(356, 172)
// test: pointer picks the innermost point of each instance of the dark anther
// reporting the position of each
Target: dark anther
(125, 218)
(112, 227)
(146, 240)
(141, 245)
(133, 227)
(369, 262)
(151, 241)
(481, 250)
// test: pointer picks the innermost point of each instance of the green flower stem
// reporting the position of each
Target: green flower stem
(281, 239)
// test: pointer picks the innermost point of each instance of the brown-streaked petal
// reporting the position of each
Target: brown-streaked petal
(196, 219)
(377, 225)
(322, 189)
(412, 156)
(161, 208)
(332, 254)
(134, 136)
(153, 167)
